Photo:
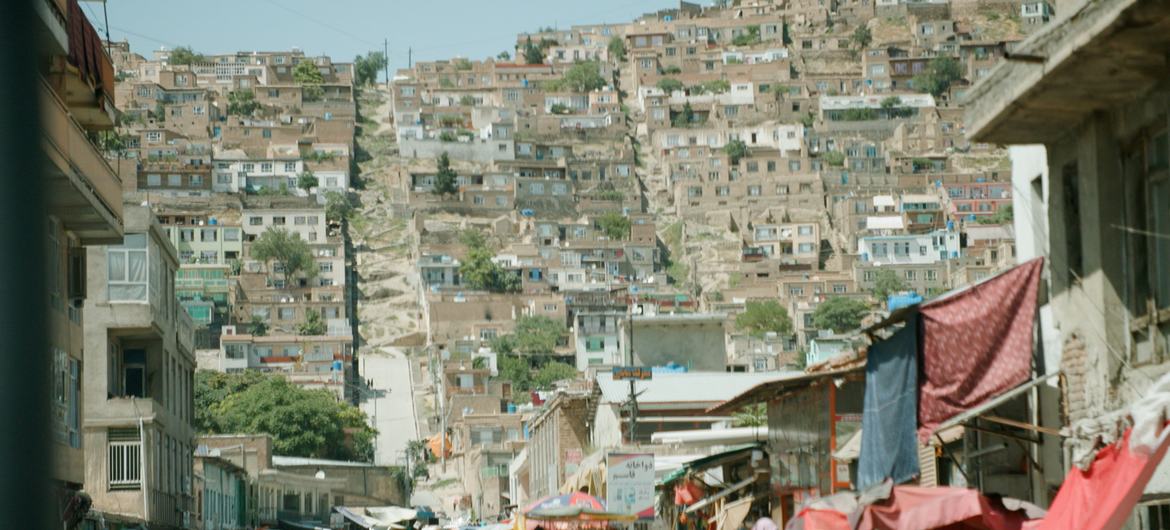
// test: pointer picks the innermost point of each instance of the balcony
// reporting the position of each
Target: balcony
(83, 75)
(84, 191)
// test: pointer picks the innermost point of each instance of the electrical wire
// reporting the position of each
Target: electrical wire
(323, 24)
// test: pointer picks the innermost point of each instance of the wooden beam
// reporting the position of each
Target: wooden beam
(1021, 425)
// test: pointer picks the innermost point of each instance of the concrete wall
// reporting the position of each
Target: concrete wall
(478, 151)
(697, 343)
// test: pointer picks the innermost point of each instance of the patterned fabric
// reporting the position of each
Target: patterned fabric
(888, 446)
(977, 344)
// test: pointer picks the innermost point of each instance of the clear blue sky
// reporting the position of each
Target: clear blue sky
(436, 29)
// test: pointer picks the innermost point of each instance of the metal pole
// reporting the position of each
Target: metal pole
(25, 494)
(633, 391)
(386, 61)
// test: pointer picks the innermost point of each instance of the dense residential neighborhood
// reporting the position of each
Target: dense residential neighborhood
(726, 265)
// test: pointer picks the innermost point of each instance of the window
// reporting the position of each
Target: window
(911, 275)
(125, 459)
(154, 136)
(806, 248)
(838, 288)
(1146, 169)
(931, 275)
(793, 165)
(278, 220)
(722, 191)
(1070, 184)
(290, 167)
(804, 230)
(266, 167)
(880, 250)
(208, 234)
(753, 191)
(195, 180)
(593, 344)
(901, 248)
(286, 313)
(325, 266)
(127, 269)
(153, 180)
(248, 167)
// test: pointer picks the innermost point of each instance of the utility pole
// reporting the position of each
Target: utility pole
(410, 57)
(633, 391)
(386, 63)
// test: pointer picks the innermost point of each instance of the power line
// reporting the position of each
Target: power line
(141, 36)
(322, 23)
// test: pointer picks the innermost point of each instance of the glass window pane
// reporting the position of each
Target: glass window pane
(116, 264)
(137, 266)
(1160, 203)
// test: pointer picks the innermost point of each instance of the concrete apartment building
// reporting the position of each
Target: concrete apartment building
(559, 438)
(138, 391)
(84, 209)
(1103, 165)
(309, 361)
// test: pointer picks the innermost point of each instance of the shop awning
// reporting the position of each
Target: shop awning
(728, 491)
(769, 390)
(706, 462)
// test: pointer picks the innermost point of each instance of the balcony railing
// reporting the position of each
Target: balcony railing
(78, 161)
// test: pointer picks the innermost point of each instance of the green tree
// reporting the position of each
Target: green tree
(552, 372)
(834, 158)
(862, 37)
(286, 249)
(312, 93)
(684, 118)
(615, 225)
(672, 70)
(307, 181)
(305, 423)
(461, 63)
(185, 55)
(365, 69)
(313, 325)
(735, 150)
(212, 387)
(504, 56)
(617, 49)
(337, 206)
(257, 326)
(516, 369)
(840, 314)
(306, 73)
(160, 112)
(940, 73)
(532, 53)
(446, 181)
(242, 103)
(759, 318)
(748, 38)
(467, 100)
(1001, 216)
(559, 108)
(583, 77)
(472, 238)
(533, 335)
(886, 283)
(669, 85)
(751, 416)
(478, 271)
(891, 103)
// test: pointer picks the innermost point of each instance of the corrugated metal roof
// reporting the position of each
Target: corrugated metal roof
(701, 388)
(890, 222)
